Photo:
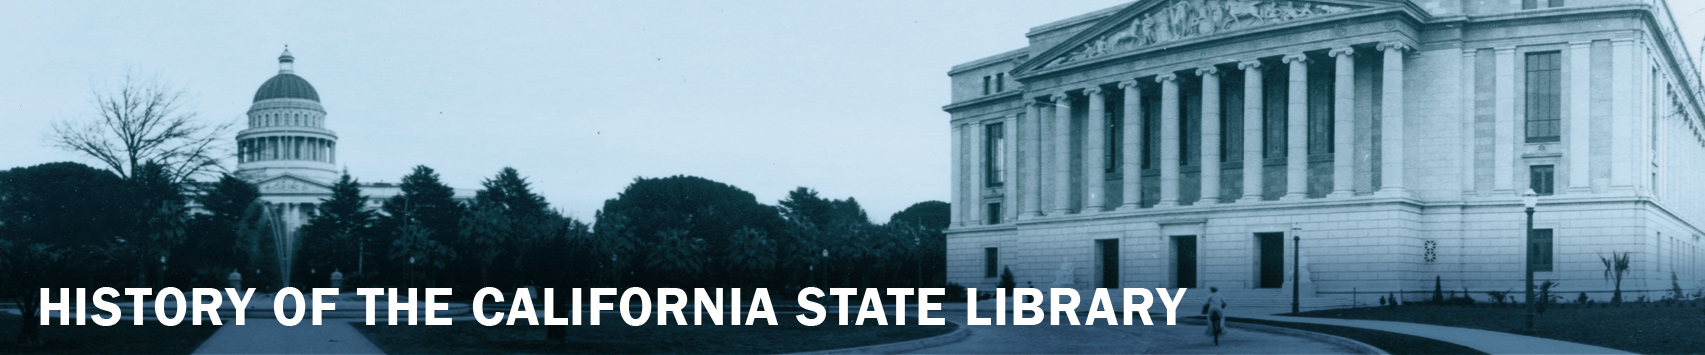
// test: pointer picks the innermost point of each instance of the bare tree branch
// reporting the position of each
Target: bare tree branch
(146, 120)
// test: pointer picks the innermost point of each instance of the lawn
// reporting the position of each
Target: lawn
(1390, 342)
(615, 337)
(122, 338)
(1648, 328)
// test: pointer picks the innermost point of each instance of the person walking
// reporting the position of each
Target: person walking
(1215, 310)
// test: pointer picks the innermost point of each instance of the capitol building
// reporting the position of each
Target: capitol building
(1197, 143)
(290, 155)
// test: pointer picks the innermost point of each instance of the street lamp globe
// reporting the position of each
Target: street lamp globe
(1530, 198)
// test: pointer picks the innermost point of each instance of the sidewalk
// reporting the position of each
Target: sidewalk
(1488, 341)
(265, 336)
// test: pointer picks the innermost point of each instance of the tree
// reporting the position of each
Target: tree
(159, 224)
(697, 207)
(1614, 267)
(212, 247)
(750, 254)
(333, 238)
(513, 193)
(145, 120)
(415, 247)
(485, 232)
(676, 258)
(504, 214)
(57, 224)
(932, 214)
(426, 203)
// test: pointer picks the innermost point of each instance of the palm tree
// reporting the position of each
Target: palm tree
(1616, 265)
(752, 254)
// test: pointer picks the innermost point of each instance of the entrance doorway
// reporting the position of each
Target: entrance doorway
(1108, 260)
(1271, 259)
(1184, 261)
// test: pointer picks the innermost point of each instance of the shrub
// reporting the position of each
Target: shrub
(1006, 280)
(1438, 290)
(1499, 296)
(1583, 299)
(955, 291)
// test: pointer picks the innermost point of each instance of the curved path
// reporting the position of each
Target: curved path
(1137, 339)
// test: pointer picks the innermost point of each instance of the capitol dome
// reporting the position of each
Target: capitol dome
(287, 85)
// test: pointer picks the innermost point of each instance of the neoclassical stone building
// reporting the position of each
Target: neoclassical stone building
(1185, 143)
(288, 152)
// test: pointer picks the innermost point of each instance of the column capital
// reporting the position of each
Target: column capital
(1249, 64)
(1037, 102)
(1092, 90)
(1345, 51)
(1165, 77)
(1296, 58)
(1398, 46)
(1208, 70)
(1057, 97)
(1128, 84)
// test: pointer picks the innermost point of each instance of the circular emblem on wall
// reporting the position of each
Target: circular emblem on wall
(1390, 25)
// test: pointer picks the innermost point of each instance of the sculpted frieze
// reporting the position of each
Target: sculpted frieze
(1187, 19)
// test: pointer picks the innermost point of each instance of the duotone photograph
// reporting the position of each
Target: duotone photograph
(852, 177)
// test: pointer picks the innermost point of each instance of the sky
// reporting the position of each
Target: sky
(580, 96)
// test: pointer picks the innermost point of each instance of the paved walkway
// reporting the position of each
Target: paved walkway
(1131, 339)
(1488, 341)
(263, 335)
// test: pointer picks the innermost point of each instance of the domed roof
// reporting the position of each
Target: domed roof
(287, 86)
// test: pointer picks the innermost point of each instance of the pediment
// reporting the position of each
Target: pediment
(292, 184)
(1157, 23)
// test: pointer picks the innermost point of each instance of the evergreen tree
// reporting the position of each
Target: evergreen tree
(332, 239)
(212, 248)
(427, 204)
(513, 193)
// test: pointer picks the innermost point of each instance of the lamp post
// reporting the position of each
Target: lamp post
(825, 268)
(411, 272)
(1529, 199)
(1296, 269)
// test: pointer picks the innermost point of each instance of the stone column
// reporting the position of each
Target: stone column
(1391, 125)
(1131, 165)
(1296, 129)
(957, 157)
(1009, 169)
(979, 169)
(1095, 151)
(1504, 127)
(1344, 112)
(1168, 139)
(332, 148)
(1032, 184)
(1062, 154)
(1210, 134)
(1623, 114)
(1253, 140)
(1580, 117)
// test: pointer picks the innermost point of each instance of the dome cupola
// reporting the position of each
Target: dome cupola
(286, 85)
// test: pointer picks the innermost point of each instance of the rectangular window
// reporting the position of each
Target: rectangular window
(1539, 249)
(1542, 179)
(1544, 97)
(1277, 92)
(994, 150)
(985, 85)
(1000, 82)
(994, 211)
(991, 262)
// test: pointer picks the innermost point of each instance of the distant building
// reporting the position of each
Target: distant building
(290, 155)
(1179, 143)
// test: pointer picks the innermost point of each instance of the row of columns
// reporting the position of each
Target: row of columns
(1391, 129)
(288, 148)
(285, 119)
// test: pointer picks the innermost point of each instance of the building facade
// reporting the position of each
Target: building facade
(289, 154)
(1196, 143)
